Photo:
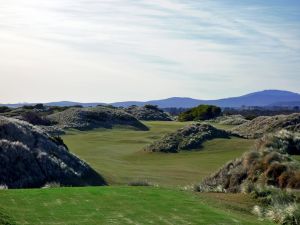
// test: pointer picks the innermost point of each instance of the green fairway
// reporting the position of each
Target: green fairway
(117, 154)
(117, 205)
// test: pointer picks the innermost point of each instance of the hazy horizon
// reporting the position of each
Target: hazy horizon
(113, 50)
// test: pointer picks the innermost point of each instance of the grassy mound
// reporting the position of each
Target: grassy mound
(117, 205)
(268, 164)
(187, 138)
(89, 118)
(265, 124)
(148, 113)
(29, 157)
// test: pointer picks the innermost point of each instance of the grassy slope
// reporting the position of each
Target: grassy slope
(117, 205)
(117, 154)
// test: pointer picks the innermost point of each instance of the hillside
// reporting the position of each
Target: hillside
(148, 113)
(268, 163)
(265, 124)
(89, 118)
(31, 158)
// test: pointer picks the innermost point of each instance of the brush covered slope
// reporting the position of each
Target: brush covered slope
(148, 113)
(35, 115)
(266, 124)
(29, 158)
(230, 120)
(269, 163)
(187, 138)
(89, 118)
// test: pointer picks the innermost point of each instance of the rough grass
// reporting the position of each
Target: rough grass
(117, 154)
(118, 205)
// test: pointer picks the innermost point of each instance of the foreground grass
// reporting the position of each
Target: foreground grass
(116, 205)
(117, 154)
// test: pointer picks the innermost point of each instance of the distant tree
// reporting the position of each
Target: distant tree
(201, 112)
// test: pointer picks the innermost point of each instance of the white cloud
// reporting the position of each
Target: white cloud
(113, 50)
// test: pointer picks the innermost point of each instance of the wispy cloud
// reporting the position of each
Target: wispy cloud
(107, 50)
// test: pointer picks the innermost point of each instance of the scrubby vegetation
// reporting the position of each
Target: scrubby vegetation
(251, 113)
(173, 111)
(201, 112)
(266, 124)
(89, 118)
(148, 112)
(266, 172)
(230, 120)
(187, 138)
(279, 206)
(29, 157)
(267, 164)
(35, 118)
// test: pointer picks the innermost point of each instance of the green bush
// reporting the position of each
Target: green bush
(201, 112)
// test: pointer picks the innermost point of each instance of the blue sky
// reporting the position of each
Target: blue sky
(114, 50)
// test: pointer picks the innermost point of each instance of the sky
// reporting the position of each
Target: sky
(116, 50)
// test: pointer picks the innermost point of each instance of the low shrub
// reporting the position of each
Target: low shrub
(277, 205)
(201, 112)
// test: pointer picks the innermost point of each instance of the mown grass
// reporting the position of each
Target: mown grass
(117, 154)
(116, 205)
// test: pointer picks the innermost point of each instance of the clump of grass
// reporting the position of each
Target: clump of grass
(267, 164)
(141, 183)
(267, 172)
(52, 185)
(3, 187)
(276, 205)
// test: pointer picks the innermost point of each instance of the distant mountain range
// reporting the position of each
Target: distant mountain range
(261, 98)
